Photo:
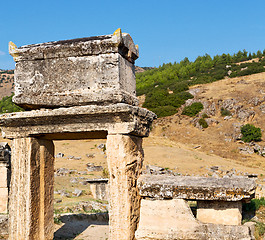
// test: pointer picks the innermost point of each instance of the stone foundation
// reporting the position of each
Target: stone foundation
(165, 213)
(173, 219)
(220, 212)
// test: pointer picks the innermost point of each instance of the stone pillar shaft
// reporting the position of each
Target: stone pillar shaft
(125, 157)
(31, 195)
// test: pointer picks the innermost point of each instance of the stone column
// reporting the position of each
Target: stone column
(125, 157)
(31, 195)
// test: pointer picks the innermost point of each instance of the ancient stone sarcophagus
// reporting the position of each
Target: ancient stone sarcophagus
(94, 70)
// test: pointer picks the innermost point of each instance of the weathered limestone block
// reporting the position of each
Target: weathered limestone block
(57, 123)
(31, 195)
(166, 219)
(94, 70)
(173, 219)
(219, 212)
(3, 199)
(99, 188)
(125, 157)
(196, 188)
(4, 175)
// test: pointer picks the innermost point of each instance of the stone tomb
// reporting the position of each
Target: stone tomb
(165, 214)
(94, 70)
(78, 89)
(99, 188)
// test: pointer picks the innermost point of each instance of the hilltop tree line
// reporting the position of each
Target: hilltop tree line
(166, 87)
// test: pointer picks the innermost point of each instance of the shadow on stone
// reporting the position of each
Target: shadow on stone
(76, 224)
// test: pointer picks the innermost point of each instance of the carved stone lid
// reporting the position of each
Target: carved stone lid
(117, 42)
(196, 188)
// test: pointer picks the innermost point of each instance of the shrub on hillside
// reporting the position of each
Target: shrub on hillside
(164, 111)
(225, 112)
(250, 133)
(161, 98)
(204, 115)
(193, 109)
(203, 123)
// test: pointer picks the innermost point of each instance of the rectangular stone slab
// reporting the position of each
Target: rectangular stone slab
(51, 123)
(96, 70)
(220, 212)
(196, 188)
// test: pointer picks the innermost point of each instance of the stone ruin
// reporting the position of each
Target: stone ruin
(165, 213)
(99, 188)
(74, 89)
(84, 89)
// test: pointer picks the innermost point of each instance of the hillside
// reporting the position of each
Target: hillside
(165, 88)
(6, 83)
(244, 98)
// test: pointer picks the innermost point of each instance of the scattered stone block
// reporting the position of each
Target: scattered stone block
(90, 155)
(101, 146)
(62, 172)
(92, 168)
(59, 155)
(77, 192)
(74, 180)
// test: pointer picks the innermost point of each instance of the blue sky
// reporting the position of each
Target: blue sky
(166, 31)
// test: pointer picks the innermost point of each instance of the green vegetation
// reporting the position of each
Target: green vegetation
(7, 106)
(193, 109)
(259, 230)
(225, 112)
(165, 87)
(254, 204)
(204, 115)
(203, 123)
(57, 220)
(105, 173)
(250, 133)
(164, 103)
(6, 71)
